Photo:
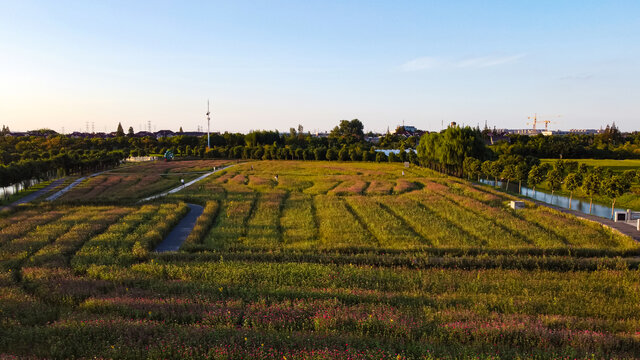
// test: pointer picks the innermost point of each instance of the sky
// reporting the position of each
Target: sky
(69, 65)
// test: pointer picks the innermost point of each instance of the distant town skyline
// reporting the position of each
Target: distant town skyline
(269, 65)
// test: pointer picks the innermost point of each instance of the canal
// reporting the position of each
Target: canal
(581, 205)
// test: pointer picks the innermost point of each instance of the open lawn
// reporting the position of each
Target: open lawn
(331, 260)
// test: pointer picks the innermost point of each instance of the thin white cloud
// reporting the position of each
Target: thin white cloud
(487, 61)
(422, 63)
(431, 62)
(582, 76)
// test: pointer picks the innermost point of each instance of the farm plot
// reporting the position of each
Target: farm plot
(133, 182)
(426, 268)
(361, 205)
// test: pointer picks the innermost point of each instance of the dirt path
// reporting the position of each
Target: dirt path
(181, 231)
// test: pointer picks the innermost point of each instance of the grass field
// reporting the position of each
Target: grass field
(332, 260)
(630, 200)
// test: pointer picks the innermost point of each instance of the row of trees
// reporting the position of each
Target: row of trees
(59, 165)
(446, 151)
(37, 157)
(569, 175)
(13, 149)
(274, 152)
(610, 144)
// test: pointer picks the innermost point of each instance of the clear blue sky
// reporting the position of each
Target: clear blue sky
(276, 64)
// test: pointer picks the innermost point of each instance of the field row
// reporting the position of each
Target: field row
(435, 216)
(138, 181)
(298, 308)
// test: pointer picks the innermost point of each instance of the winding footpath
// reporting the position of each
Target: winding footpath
(180, 232)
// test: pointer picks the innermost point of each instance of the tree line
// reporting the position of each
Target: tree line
(49, 155)
(58, 165)
(609, 144)
(561, 174)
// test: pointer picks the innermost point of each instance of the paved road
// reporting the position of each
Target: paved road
(175, 190)
(71, 186)
(34, 195)
(181, 231)
(621, 227)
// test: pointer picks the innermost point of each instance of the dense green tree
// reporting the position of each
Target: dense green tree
(495, 170)
(332, 154)
(508, 173)
(119, 131)
(343, 154)
(381, 157)
(522, 172)
(448, 149)
(554, 179)
(320, 153)
(629, 176)
(536, 176)
(591, 187)
(613, 188)
(572, 182)
(472, 167)
(485, 168)
(347, 132)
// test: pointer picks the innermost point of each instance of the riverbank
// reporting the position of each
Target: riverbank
(620, 227)
(630, 200)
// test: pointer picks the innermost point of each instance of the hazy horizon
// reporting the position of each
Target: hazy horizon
(276, 64)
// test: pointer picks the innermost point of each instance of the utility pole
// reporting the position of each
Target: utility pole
(208, 127)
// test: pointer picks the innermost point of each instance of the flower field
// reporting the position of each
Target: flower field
(138, 181)
(328, 261)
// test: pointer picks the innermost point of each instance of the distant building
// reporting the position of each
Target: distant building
(585, 131)
(84, 135)
(495, 138)
(530, 132)
(372, 139)
(144, 134)
(533, 132)
(407, 131)
(17, 134)
(195, 133)
(554, 132)
(164, 134)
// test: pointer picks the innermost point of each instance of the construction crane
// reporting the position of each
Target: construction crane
(535, 121)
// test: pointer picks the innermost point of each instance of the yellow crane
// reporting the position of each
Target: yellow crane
(535, 121)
